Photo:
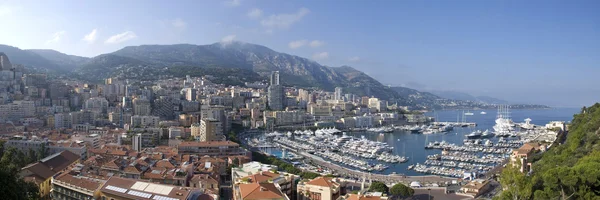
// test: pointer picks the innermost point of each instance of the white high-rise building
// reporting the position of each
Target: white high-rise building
(276, 95)
(136, 142)
(338, 93)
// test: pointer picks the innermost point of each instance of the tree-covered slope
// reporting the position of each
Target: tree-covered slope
(567, 171)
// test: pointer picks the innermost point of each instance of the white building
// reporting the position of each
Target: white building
(17, 110)
(144, 121)
(136, 142)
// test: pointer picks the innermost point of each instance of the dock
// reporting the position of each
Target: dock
(455, 124)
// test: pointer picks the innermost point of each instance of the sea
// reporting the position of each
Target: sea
(413, 145)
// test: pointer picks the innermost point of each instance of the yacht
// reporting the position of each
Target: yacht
(483, 112)
(504, 125)
(474, 134)
(468, 113)
(415, 129)
(486, 134)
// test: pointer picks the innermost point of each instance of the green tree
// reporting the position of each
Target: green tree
(31, 156)
(42, 151)
(377, 186)
(401, 190)
(515, 184)
(12, 186)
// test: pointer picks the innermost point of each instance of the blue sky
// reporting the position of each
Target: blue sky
(523, 51)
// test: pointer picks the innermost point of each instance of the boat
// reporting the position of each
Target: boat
(486, 134)
(504, 125)
(483, 112)
(411, 167)
(415, 129)
(468, 113)
(474, 134)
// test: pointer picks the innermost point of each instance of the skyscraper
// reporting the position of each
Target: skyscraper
(275, 78)
(275, 96)
(338, 93)
(137, 142)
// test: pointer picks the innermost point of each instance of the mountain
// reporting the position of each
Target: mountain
(66, 61)
(467, 97)
(28, 58)
(294, 70)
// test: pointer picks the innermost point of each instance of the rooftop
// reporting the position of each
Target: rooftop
(83, 182)
(133, 189)
(323, 182)
(260, 191)
(476, 184)
(209, 144)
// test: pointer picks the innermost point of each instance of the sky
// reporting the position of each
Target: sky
(536, 51)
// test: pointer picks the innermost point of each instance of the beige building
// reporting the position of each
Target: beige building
(141, 107)
(144, 121)
(475, 187)
(321, 188)
(207, 130)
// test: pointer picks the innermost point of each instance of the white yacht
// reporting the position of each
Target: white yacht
(504, 125)
(483, 112)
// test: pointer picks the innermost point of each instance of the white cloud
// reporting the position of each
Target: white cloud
(233, 2)
(321, 56)
(56, 37)
(297, 44)
(179, 24)
(228, 39)
(284, 20)
(255, 13)
(121, 37)
(91, 37)
(316, 43)
(354, 59)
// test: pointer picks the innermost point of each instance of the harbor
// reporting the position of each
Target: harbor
(413, 152)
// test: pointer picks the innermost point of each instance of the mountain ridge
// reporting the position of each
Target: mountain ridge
(233, 62)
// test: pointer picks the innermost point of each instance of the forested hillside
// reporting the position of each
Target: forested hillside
(567, 171)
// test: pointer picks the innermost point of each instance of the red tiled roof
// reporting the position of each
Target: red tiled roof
(208, 144)
(259, 191)
(323, 181)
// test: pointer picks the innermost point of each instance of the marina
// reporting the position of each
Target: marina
(403, 151)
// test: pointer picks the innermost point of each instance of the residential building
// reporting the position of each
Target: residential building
(141, 107)
(70, 187)
(136, 142)
(321, 188)
(258, 191)
(41, 172)
(17, 110)
(214, 148)
(96, 104)
(130, 189)
(519, 157)
(283, 181)
(208, 130)
(476, 187)
(144, 121)
(338, 94)
(275, 95)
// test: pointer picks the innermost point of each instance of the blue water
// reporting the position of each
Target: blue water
(412, 145)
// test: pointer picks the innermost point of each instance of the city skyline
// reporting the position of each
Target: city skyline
(524, 52)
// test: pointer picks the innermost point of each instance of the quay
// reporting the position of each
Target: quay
(455, 124)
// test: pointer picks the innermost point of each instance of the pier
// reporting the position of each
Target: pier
(455, 124)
